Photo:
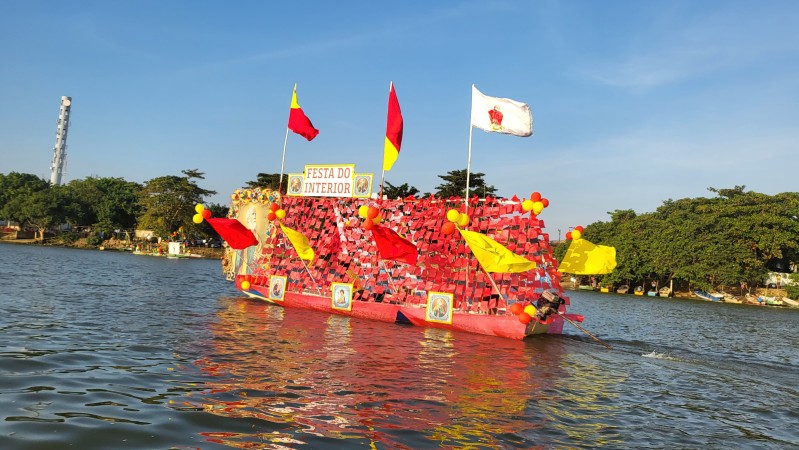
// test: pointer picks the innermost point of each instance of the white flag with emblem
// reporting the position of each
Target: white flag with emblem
(501, 115)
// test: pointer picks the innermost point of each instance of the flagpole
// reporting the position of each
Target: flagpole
(466, 196)
(282, 162)
(285, 142)
(468, 168)
(390, 280)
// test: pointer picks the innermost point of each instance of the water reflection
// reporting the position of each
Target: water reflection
(313, 378)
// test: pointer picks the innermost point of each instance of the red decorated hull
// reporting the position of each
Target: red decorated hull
(346, 256)
(504, 326)
(383, 312)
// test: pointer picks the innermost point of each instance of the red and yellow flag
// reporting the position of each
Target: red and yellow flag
(393, 130)
(298, 121)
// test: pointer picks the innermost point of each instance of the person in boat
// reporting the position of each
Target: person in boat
(548, 305)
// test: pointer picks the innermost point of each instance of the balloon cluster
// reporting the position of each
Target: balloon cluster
(371, 214)
(202, 213)
(454, 217)
(536, 204)
(276, 212)
(576, 233)
(524, 313)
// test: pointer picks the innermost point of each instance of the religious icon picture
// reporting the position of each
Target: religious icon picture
(294, 186)
(439, 307)
(277, 287)
(362, 185)
(342, 296)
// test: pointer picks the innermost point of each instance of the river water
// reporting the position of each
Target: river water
(109, 350)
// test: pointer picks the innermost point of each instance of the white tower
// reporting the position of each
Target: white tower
(60, 150)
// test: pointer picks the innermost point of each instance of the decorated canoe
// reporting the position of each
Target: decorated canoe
(420, 261)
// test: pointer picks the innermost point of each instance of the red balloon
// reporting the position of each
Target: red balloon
(274, 207)
(579, 228)
(206, 213)
(516, 308)
(368, 225)
(568, 235)
(524, 318)
(535, 196)
(372, 212)
(271, 216)
(448, 228)
(545, 202)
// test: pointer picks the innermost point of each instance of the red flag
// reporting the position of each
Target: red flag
(298, 121)
(233, 232)
(394, 247)
(393, 130)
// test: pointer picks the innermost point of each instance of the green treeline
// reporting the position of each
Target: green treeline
(163, 204)
(733, 238)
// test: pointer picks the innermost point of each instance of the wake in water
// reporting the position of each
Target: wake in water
(656, 355)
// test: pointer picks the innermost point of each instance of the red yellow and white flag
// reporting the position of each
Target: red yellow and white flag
(298, 121)
(393, 130)
(501, 115)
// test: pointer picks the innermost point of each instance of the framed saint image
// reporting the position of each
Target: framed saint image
(277, 287)
(362, 185)
(294, 184)
(439, 307)
(342, 296)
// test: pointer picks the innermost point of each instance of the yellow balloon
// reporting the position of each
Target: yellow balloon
(463, 220)
(280, 213)
(363, 211)
(199, 208)
(530, 310)
(538, 207)
(197, 218)
(527, 205)
(576, 235)
(453, 215)
(245, 285)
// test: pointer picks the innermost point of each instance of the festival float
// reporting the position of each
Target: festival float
(329, 244)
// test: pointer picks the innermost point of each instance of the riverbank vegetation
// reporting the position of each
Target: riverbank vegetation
(732, 239)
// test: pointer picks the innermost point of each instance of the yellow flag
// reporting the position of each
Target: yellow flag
(299, 242)
(585, 258)
(493, 256)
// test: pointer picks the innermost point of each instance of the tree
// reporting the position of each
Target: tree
(455, 185)
(267, 181)
(39, 210)
(401, 191)
(103, 203)
(14, 187)
(168, 202)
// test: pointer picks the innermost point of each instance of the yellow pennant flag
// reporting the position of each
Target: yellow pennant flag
(585, 258)
(300, 243)
(493, 256)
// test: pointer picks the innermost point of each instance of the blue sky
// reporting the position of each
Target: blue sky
(634, 102)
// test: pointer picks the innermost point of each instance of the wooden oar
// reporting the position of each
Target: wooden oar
(583, 329)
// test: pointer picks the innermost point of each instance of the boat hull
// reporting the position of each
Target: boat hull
(500, 325)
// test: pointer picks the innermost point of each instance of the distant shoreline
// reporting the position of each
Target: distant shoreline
(207, 253)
